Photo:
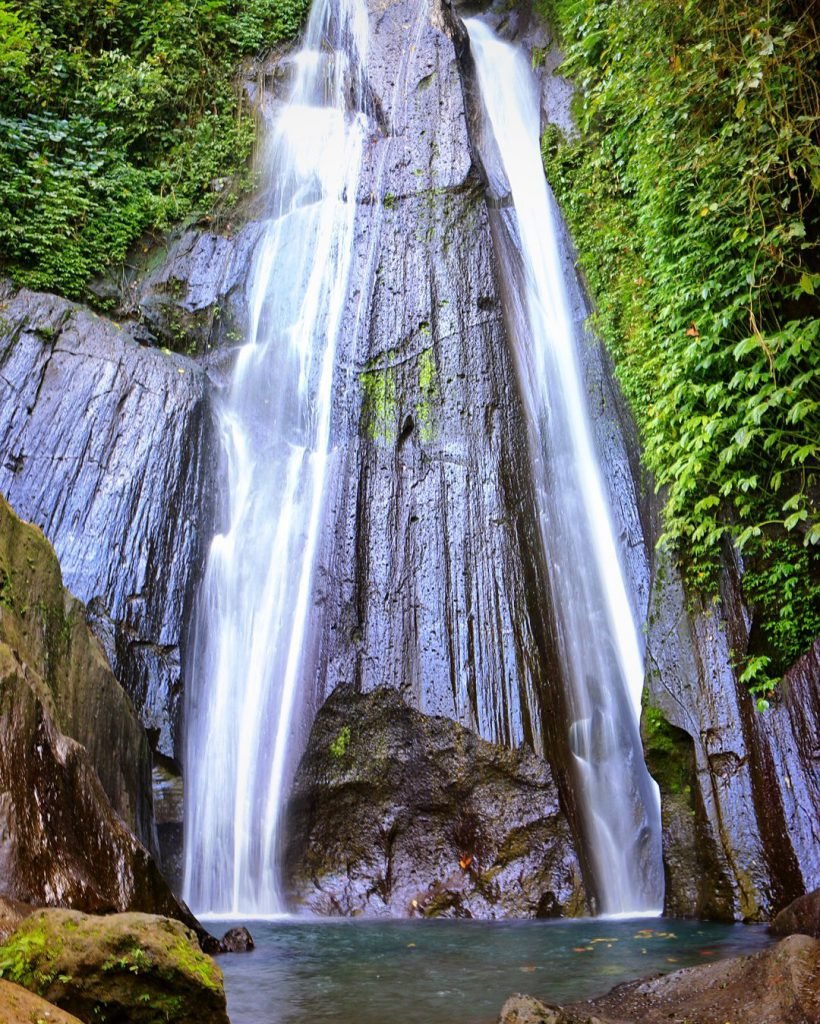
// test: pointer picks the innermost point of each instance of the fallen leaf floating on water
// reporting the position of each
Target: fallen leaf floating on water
(583, 949)
(528, 968)
(593, 941)
(707, 952)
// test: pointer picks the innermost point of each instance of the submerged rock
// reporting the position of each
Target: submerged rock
(75, 785)
(121, 969)
(777, 986)
(395, 812)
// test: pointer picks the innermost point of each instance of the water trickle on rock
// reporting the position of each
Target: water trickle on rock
(254, 635)
(600, 649)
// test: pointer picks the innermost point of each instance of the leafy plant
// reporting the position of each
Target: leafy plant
(116, 117)
(692, 196)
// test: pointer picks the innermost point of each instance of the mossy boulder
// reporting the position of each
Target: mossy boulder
(76, 825)
(120, 969)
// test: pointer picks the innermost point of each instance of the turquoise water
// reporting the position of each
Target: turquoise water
(454, 972)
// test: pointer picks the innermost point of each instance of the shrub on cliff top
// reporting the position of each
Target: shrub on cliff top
(116, 116)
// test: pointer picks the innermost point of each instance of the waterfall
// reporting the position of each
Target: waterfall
(600, 648)
(253, 633)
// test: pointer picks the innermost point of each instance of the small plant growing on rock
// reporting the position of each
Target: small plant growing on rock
(338, 748)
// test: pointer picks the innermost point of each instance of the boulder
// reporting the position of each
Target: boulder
(395, 812)
(802, 917)
(777, 986)
(120, 969)
(75, 785)
(18, 1005)
(236, 940)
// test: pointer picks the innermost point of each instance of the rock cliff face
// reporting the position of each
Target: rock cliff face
(430, 578)
(75, 782)
(103, 445)
(395, 812)
(740, 788)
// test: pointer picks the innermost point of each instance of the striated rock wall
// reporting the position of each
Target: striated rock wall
(742, 787)
(103, 445)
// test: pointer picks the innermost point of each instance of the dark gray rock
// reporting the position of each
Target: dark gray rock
(192, 295)
(237, 940)
(431, 580)
(394, 812)
(103, 445)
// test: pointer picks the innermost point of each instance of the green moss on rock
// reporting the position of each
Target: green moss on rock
(127, 967)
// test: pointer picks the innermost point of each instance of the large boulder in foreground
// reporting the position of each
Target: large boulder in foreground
(395, 812)
(777, 986)
(121, 969)
(75, 784)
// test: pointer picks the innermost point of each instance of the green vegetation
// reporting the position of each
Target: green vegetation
(380, 407)
(338, 748)
(117, 116)
(24, 955)
(691, 192)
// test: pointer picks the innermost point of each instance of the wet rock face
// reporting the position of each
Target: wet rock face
(122, 969)
(75, 787)
(394, 812)
(778, 986)
(430, 580)
(103, 445)
(741, 839)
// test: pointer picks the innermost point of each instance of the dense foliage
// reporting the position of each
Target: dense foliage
(117, 116)
(692, 194)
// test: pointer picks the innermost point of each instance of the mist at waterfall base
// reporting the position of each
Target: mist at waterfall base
(598, 633)
(455, 972)
(253, 627)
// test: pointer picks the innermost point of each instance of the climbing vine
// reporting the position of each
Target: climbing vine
(691, 190)
(117, 116)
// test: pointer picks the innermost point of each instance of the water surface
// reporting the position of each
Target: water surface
(454, 972)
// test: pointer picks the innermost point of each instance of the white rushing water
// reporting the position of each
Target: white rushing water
(253, 640)
(601, 652)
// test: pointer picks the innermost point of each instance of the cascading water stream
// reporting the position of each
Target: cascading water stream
(600, 648)
(253, 634)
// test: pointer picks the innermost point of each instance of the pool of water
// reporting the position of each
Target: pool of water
(453, 972)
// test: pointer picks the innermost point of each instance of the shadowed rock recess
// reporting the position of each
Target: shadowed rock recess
(75, 782)
(395, 812)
